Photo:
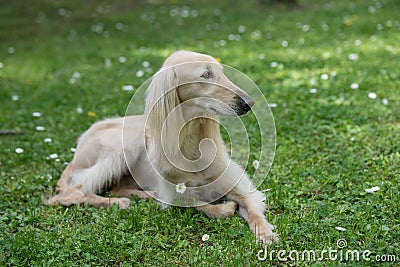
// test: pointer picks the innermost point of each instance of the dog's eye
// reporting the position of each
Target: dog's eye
(206, 75)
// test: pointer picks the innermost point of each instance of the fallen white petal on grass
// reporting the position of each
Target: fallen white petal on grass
(273, 105)
(40, 128)
(180, 188)
(79, 109)
(256, 164)
(340, 229)
(19, 150)
(107, 63)
(205, 237)
(127, 87)
(372, 189)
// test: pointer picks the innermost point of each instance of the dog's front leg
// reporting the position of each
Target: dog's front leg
(251, 205)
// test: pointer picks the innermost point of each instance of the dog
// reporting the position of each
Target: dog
(175, 143)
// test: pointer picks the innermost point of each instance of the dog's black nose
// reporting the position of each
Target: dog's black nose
(245, 104)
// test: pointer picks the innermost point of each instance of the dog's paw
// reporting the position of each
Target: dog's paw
(231, 207)
(123, 203)
(226, 210)
(267, 238)
(265, 235)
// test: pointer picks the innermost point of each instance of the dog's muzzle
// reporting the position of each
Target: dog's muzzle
(244, 105)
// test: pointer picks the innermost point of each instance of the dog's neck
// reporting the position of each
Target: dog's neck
(191, 135)
(197, 130)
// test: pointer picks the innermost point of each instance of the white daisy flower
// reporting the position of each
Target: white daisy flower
(274, 64)
(324, 76)
(53, 156)
(73, 149)
(62, 12)
(139, 73)
(19, 150)
(340, 229)
(372, 189)
(313, 90)
(256, 164)
(48, 140)
(372, 95)
(76, 75)
(354, 86)
(119, 26)
(305, 28)
(205, 237)
(1, 65)
(122, 59)
(40, 128)
(180, 188)
(15, 98)
(385, 101)
(145, 64)
(285, 43)
(353, 57)
(241, 29)
(36, 114)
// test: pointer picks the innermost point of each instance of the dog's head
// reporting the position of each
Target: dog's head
(196, 81)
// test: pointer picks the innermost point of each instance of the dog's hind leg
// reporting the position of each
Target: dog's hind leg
(74, 196)
(127, 187)
(223, 210)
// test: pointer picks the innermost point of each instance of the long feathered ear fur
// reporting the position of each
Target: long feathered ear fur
(165, 117)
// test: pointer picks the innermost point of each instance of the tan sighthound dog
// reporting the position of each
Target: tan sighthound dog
(176, 141)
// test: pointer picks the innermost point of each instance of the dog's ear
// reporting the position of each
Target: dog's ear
(165, 118)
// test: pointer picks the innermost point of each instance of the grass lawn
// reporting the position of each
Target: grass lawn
(331, 69)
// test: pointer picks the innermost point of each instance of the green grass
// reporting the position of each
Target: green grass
(331, 145)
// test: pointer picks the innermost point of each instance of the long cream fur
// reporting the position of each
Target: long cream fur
(177, 140)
